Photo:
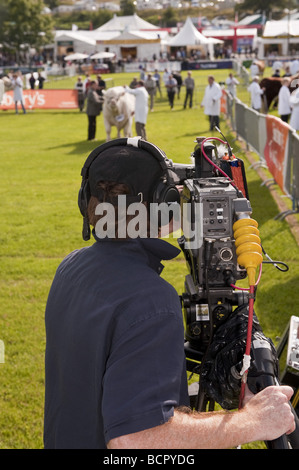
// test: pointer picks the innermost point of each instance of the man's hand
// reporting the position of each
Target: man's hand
(271, 409)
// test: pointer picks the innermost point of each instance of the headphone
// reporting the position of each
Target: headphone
(164, 192)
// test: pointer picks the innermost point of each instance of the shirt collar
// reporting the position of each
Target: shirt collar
(158, 250)
(155, 248)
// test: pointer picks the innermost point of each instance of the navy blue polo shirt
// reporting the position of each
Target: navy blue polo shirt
(115, 361)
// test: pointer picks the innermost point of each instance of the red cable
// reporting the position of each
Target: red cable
(248, 341)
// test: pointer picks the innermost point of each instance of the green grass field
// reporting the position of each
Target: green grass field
(42, 153)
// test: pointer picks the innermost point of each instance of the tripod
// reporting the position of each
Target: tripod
(263, 373)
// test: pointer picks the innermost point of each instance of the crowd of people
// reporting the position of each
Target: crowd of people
(145, 88)
(148, 86)
(287, 102)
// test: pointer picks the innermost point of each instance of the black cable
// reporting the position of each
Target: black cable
(275, 263)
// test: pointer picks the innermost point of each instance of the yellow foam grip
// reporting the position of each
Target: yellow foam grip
(248, 246)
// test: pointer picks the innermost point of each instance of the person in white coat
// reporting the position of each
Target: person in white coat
(141, 107)
(254, 69)
(211, 102)
(256, 94)
(294, 102)
(231, 83)
(284, 108)
(17, 84)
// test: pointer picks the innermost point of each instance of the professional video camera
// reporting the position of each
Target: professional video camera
(224, 342)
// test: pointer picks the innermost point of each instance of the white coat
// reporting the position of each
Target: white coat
(17, 89)
(256, 93)
(141, 103)
(211, 99)
(254, 70)
(231, 83)
(284, 101)
(294, 66)
(294, 102)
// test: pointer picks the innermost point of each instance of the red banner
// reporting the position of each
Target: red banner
(276, 148)
(43, 99)
(223, 102)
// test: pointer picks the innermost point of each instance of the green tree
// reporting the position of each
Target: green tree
(169, 17)
(25, 24)
(127, 7)
(266, 6)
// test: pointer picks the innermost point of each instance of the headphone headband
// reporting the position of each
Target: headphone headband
(134, 142)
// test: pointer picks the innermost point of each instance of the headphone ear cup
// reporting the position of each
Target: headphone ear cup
(83, 200)
(83, 197)
(164, 194)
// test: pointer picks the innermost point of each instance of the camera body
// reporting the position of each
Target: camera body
(214, 204)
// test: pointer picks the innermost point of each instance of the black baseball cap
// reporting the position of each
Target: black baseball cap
(135, 167)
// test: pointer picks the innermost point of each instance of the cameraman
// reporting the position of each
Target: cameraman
(115, 361)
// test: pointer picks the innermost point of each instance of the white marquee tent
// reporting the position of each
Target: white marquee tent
(130, 23)
(122, 35)
(283, 35)
(191, 38)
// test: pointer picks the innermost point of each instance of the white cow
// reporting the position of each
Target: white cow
(118, 111)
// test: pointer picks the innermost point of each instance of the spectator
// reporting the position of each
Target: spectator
(256, 93)
(142, 73)
(294, 66)
(165, 76)
(254, 69)
(80, 89)
(158, 81)
(41, 80)
(211, 102)
(171, 86)
(101, 86)
(32, 82)
(294, 103)
(93, 109)
(177, 76)
(141, 107)
(287, 72)
(17, 83)
(189, 84)
(284, 109)
(86, 83)
(231, 83)
(133, 83)
(150, 85)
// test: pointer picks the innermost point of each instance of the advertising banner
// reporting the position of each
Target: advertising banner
(240, 119)
(223, 103)
(43, 99)
(252, 126)
(292, 169)
(276, 149)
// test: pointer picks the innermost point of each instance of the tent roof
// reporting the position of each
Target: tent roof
(252, 19)
(120, 23)
(274, 29)
(188, 36)
(75, 36)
